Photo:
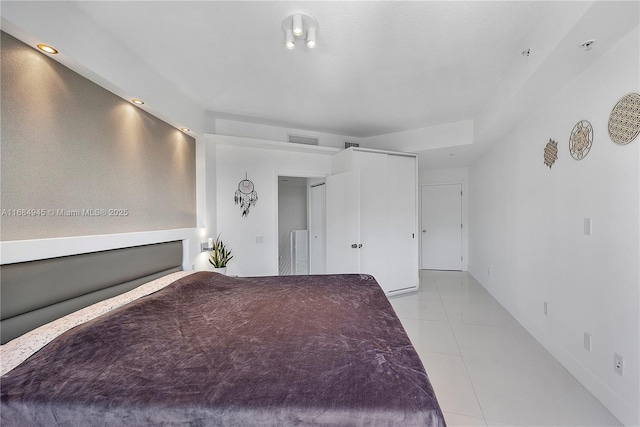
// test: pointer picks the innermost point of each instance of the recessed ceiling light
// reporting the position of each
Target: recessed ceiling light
(588, 44)
(48, 49)
(137, 101)
(185, 129)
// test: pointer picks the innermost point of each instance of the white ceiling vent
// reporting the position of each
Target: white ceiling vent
(299, 139)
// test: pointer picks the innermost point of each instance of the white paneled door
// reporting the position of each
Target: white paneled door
(441, 227)
(343, 222)
(317, 231)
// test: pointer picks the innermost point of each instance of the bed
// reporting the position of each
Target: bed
(206, 349)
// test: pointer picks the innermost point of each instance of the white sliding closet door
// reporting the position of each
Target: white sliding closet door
(374, 215)
(403, 242)
(371, 203)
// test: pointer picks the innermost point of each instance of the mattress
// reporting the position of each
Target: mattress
(215, 350)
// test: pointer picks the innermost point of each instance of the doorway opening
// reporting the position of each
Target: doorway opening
(301, 225)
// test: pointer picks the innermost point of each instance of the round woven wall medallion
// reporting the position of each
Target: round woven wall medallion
(581, 140)
(550, 153)
(624, 120)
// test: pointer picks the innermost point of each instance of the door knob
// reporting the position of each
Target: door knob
(360, 245)
(424, 231)
(354, 246)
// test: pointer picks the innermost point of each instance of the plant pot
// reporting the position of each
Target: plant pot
(221, 270)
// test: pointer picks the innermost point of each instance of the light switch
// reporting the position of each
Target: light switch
(587, 226)
(259, 239)
(587, 341)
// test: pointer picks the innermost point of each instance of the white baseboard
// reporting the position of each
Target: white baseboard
(620, 409)
(627, 413)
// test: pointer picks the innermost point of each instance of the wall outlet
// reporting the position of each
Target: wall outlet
(587, 341)
(545, 308)
(587, 226)
(618, 364)
(259, 240)
(193, 267)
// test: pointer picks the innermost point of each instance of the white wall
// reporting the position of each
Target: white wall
(254, 239)
(450, 176)
(526, 224)
(427, 138)
(276, 133)
(206, 186)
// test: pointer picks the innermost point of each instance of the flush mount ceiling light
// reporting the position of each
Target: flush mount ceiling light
(137, 101)
(300, 26)
(185, 130)
(48, 49)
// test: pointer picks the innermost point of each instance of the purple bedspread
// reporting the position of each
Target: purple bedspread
(215, 350)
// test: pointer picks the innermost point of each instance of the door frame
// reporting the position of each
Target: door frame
(465, 219)
(291, 174)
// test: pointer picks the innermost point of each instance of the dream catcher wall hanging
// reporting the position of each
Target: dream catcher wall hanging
(245, 196)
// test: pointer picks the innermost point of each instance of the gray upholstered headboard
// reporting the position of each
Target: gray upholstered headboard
(37, 292)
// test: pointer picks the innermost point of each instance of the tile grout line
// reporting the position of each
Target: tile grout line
(464, 363)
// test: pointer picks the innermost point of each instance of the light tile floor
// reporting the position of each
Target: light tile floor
(485, 368)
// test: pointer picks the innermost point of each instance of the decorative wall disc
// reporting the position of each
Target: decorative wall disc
(581, 140)
(550, 153)
(624, 120)
(245, 195)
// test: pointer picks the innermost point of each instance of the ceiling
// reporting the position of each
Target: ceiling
(379, 66)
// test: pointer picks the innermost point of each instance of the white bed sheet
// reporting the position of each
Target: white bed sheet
(20, 349)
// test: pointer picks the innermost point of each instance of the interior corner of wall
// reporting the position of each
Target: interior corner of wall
(209, 122)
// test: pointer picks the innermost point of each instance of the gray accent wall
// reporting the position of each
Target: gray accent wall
(78, 160)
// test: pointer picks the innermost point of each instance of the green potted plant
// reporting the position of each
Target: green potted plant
(220, 256)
